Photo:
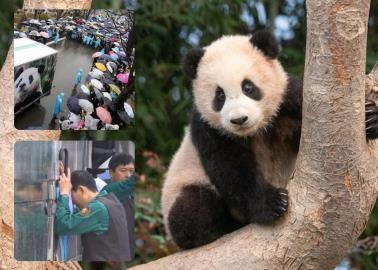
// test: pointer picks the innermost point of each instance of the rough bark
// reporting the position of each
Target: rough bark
(9, 135)
(57, 4)
(334, 186)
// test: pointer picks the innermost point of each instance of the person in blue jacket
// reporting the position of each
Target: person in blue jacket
(78, 77)
(57, 106)
(56, 40)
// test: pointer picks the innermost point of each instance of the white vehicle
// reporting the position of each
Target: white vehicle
(34, 68)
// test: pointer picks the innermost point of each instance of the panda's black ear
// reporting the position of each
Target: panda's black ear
(266, 42)
(190, 62)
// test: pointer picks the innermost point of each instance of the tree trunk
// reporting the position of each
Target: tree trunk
(334, 186)
(9, 135)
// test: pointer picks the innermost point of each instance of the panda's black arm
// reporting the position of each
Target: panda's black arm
(231, 167)
(291, 106)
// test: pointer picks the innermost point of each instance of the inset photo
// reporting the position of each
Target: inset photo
(74, 200)
(74, 69)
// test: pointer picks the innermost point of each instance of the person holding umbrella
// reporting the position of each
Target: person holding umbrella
(57, 106)
(56, 40)
(97, 44)
(79, 74)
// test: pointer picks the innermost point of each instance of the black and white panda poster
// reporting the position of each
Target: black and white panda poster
(31, 80)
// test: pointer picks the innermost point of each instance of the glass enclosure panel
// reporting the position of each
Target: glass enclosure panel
(35, 173)
(34, 166)
(31, 234)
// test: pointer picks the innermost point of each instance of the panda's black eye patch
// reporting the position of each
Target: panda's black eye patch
(251, 90)
(219, 99)
(18, 83)
(30, 79)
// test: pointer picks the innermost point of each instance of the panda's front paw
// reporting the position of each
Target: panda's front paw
(371, 120)
(276, 205)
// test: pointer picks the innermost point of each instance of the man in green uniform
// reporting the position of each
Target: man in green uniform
(101, 220)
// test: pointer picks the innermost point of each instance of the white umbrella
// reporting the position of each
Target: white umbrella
(23, 35)
(86, 105)
(90, 122)
(74, 118)
(107, 95)
(112, 64)
(95, 73)
(34, 33)
(35, 22)
(97, 84)
(109, 67)
(128, 109)
(85, 89)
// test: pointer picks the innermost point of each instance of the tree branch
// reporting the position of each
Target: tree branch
(334, 186)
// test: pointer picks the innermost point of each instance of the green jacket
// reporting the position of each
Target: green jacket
(123, 189)
(93, 218)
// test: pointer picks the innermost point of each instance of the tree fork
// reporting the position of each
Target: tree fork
(334, 185)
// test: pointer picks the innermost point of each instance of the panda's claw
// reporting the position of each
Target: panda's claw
(369, 102)
(371, 122)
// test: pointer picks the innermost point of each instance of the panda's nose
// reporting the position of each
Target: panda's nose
(239, 121)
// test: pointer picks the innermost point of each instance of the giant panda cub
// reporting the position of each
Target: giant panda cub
(27, 83)
(239, 152)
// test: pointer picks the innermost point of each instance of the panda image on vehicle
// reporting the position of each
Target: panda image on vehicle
(237, 156)
(28, 84)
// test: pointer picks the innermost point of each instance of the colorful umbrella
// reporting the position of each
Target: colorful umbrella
(124, 117)
(82, 95)
(97, 73)
(107, 96)
(96, 83)
(44, 34)
(85, 89)
(73, 105)
(100, 66)
(86, 105)
(96, 54)
(104, 115)
(34, 33)
(33, 21)
(109, 67)
(98, 94)
(106, 57)
(123, 77)
(113, 65)
(115, 89)
(122, 54)
(114, 56)
(128, 109)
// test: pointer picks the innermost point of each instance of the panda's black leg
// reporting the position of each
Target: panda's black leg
(199, 217)
(371, 120)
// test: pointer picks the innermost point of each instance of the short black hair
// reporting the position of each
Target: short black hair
(83, 178)
(120, 159)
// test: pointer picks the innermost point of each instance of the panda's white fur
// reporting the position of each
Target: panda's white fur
(185, 169)
(235, 55)
(230, 55)
(28, 82)
(226, 174)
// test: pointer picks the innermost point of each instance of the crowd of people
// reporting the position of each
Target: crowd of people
(95, 101)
